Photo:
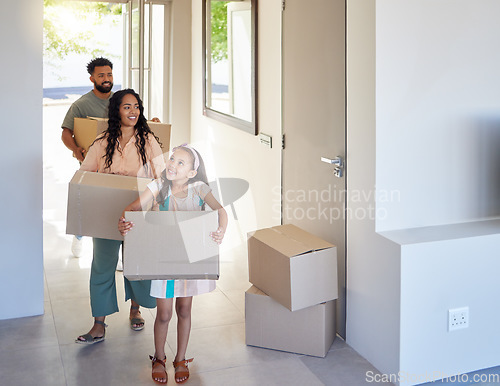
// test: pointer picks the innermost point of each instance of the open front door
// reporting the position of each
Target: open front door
(146, 59)
(314, 125)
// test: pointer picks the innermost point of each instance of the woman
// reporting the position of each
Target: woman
(128, 147)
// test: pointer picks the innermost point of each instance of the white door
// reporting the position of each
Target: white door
(314, 124)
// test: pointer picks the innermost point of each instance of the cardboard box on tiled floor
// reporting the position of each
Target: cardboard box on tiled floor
(268, 324)
(292, 266)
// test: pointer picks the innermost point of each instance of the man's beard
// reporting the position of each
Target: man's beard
(103, 89)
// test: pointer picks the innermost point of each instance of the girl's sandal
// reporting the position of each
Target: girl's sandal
(181, 370)
(158, 370)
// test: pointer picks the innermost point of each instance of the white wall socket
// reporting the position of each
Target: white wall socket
(458, 318)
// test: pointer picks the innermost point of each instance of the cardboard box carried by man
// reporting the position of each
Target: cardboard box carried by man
(87, 129)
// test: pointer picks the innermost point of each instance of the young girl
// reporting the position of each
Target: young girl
(128, 147)
(183, 186)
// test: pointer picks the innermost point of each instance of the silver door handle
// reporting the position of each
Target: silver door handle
(336, 161)
(339, 165)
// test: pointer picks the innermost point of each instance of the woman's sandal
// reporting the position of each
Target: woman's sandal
(181, 370)
(157, 371)
(136, 324)
(89, 339)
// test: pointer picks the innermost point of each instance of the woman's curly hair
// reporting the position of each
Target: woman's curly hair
(114, 127)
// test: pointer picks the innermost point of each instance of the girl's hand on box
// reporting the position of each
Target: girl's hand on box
(124, 226)
(218, 235)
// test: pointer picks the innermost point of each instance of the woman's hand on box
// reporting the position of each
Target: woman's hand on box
(124, 226)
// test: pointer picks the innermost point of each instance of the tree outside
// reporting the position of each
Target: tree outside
(219, 30)
(74, 32)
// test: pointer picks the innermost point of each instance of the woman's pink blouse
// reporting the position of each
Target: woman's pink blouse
(126, 160)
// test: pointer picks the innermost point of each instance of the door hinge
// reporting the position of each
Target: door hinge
(283, 141)
(282, 5)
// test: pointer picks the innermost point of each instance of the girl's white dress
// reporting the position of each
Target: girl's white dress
(193, 201)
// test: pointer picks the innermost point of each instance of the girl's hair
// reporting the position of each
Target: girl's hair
(114, 127)
(200, 176)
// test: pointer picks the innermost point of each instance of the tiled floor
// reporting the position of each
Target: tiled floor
(41, 350)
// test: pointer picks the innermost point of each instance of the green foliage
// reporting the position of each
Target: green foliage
(219, 31)
(60, 41)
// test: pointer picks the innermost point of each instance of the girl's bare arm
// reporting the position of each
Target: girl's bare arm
(145, 198)
(218, 235)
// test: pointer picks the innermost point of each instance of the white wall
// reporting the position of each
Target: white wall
(21, 262)
(442, 268)
(373, 265)
(438, 98)
(423, 97)
(231, 152)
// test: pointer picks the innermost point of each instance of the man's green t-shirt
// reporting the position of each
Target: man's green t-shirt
(88, 105)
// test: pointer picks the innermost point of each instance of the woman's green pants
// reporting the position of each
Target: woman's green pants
(103, 285)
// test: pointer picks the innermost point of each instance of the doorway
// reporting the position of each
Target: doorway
(146, 59)
(120, 35)
(134, 34)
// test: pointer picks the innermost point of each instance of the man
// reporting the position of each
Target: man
(93, 104)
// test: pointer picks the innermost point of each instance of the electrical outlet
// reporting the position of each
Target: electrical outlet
(458, 318)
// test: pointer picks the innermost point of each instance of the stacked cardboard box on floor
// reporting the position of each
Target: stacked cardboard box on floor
(87, 129)
(291, 305)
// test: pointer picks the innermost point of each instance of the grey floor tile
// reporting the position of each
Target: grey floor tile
(341, 367)
(209, 310)
(290, 372)
(338, 343)
(116, 361)
(73, 317)
(217, 348)
(233, 277)
(57, 251)
(65, 286)
(46, 295)
(28, 333)
(214, 309)
(41, 366)
(237, 298)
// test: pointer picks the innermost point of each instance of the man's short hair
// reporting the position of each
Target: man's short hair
(98, 62)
